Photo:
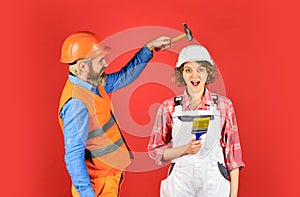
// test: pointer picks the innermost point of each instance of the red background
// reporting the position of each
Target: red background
(255, 44)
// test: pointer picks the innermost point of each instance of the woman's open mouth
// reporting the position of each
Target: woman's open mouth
(195, 83)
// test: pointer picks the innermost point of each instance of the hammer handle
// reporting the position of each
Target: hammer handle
(177, 38)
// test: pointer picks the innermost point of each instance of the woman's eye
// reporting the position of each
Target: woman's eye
(201, 70)
(187, 70)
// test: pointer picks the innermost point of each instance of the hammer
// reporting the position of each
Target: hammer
(187, 33)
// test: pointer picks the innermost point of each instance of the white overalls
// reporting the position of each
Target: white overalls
(202, 174)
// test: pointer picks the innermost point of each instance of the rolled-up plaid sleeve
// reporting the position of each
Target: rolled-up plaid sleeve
(160, 138)
(233, 151)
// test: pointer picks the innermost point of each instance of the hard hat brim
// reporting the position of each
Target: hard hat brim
(98, 50)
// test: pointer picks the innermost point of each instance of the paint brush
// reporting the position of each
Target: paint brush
(200, 126)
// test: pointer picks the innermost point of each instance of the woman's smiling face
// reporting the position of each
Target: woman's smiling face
(194, 76)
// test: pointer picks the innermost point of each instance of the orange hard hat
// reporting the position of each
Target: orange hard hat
(81, 45)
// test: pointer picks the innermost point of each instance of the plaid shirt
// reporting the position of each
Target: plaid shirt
(161, 137)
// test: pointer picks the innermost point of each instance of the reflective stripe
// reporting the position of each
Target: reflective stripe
(101, 130)
(105, 150)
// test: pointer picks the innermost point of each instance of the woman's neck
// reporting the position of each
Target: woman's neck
(195, 98)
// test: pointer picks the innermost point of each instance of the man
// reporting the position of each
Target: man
(208, 167)
(95, 151)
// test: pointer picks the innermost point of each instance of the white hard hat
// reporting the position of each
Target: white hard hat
(193, 53)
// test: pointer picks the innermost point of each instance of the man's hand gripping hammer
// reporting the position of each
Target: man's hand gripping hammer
(187, 34)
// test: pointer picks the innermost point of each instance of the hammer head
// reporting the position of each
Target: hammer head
(188, 32)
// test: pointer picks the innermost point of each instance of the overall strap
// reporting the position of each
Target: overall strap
(178, 106)
(215, 99)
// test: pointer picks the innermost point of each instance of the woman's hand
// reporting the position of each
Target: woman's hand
(193, 147)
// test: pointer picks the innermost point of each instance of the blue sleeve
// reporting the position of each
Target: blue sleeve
(74, 115)
(129, 72)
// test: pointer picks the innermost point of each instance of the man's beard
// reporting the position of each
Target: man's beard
(96, 78)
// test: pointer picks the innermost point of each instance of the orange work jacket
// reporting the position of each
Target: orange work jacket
(106, 151)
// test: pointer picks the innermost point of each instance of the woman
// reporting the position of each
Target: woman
(208, 167)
